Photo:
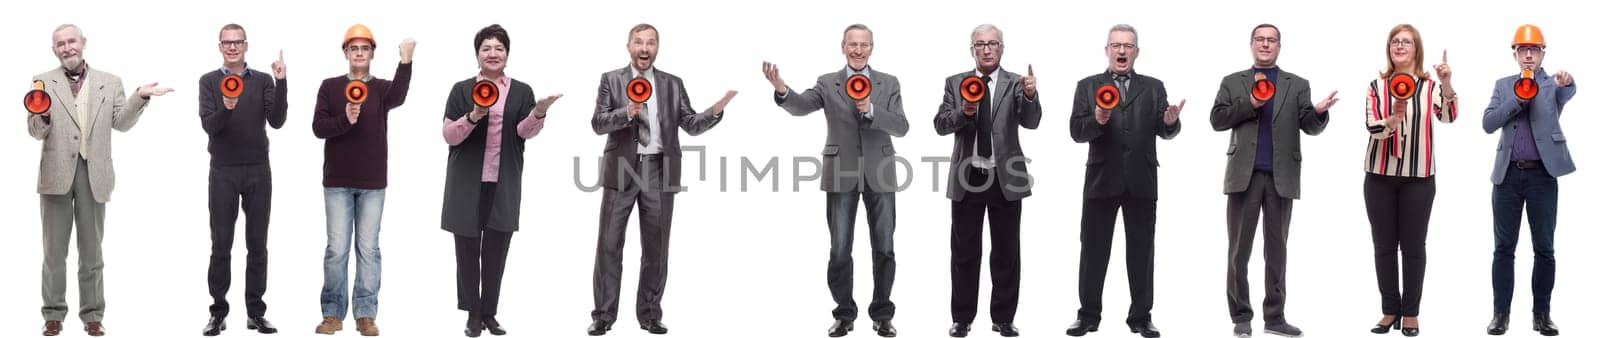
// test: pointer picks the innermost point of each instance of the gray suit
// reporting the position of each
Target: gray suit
(1252, 192)
(74, 186)
(650, 181)
(858, 147)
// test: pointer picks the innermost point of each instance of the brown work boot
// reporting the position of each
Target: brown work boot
(367, 327)
(52, 328)
(330, 325)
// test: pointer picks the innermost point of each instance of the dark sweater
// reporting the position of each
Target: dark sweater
(239, 136)
(357, 155)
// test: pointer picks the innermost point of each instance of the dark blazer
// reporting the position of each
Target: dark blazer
(1293, 113)
(859, 153)
(1122, 153)
(463, 178)
(673, 112)
(1012, 110)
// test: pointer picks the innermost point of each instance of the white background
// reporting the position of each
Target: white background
(753, 263)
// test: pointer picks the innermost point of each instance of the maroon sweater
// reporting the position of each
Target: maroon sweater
(357, 155)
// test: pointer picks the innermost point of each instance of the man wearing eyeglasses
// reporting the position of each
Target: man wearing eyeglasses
(1531, 154)
(355, 171)
(75, 173)
(1263, 172)
(989, 173)
(236, 127)
(857, 165)
(1121, 174)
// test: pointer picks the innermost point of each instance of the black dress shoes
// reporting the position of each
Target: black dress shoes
(493, 326)
(1542, 323)
(474, 326)
(599, 327)
(1005, 329)
(884, 328)
(214, 327)
(1145, 329)
(1081, 327)
(260, 324)
(960, 329)
(1497, 325)
(841, 327)
(653, 326)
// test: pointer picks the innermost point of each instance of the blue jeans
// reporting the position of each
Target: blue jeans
(358, 212)
(1538, 190)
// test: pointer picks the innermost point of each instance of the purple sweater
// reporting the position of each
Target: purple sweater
(357, 155)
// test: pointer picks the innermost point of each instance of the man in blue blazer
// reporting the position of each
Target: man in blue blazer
(1532, 152)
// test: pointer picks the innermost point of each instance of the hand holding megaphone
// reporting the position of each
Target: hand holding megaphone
(1397, 115)
(37, 101)
(859, 88)
(1262, 90)
(973, 90)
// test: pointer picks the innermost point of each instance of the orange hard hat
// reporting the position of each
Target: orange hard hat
(357, 31)
(1528, 35)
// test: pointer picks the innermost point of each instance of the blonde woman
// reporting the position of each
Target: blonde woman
(1399, 185)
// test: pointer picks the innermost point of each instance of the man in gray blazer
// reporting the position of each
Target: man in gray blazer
(1263, 172)
(1531, 154)
(857, 164)
(75, 173)
(642, 165)
(988, 173)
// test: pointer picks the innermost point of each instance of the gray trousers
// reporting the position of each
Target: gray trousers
(58, 213)
(1258, 202)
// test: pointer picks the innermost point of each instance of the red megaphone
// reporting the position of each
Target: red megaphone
(973, 89)
(485, 94)
(640, 90)
(1263, 89)
(1107, 97)
(356, 91)
(1402, 86)
(36, 100)
(232, 86)
(1526, 88)
(858, 87)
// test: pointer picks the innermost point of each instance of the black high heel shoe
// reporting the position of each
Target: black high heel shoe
(1408, 331)
(1382, 328)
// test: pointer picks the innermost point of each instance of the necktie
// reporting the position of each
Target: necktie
(642, 126)
(985, 124)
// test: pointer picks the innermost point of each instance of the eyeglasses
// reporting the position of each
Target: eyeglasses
(1530, 49)
(1402, 43)
(1116, 46)
(358, 48)
(231, 43)
(990, 45)
(1263, 39)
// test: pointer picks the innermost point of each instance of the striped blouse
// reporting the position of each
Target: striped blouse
(1407, 152)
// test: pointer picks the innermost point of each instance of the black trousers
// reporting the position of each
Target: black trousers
(481, 262)
(1098, 228)
(1244, 209)
(1399, 208)
(655, 230)
(841, 266)
(226, 187)
(966, 251)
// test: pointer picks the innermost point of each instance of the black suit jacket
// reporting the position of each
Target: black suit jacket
(1122, 153)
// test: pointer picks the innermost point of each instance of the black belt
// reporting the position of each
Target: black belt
(1534, 164)
(979, 170)
(644, 157)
